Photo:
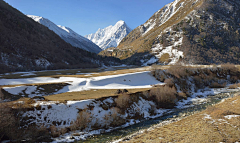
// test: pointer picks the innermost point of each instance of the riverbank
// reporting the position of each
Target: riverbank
(218, 123)
(177, 89)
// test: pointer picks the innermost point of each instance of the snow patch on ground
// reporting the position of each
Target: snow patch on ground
(231, 116)
(173, 53)
(121, 81)
(65, 114)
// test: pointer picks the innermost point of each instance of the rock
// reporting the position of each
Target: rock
(38, 98)
(174, 116)
(200, 96)
(72, 138)
(125, 91)
(118, 91)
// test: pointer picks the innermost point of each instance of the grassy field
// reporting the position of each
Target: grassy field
(210, 125)
(83, 73)
(88, 94)
(74, 72)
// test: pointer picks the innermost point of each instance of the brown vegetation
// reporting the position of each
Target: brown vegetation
(199, 127)
(234, 86)
(165, 96)
(123, 101)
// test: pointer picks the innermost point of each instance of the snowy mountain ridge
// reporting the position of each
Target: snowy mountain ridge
(110, 36)
(162, 16)
(68, 35)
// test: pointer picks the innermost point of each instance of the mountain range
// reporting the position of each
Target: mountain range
(185, 31)
(26, 45)
(110, 36)
(68, 35)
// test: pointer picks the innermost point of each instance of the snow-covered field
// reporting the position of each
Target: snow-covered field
(121, 81)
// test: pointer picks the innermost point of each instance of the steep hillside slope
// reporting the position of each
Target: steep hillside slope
(68, 35)
(26, 45)
(110, 36)
(190, 31)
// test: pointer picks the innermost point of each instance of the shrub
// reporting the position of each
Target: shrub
(7, 121)
(54, 131)
(82, 121)
(123, 101)
(229, 66)
(164, 58)
(233, 86)
(117, 120)
(182, 95)
(217, 85)
(164, 95)
(178, 71)
(169, 82)
(30, 101)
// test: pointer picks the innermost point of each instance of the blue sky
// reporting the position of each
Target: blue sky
(86, 16)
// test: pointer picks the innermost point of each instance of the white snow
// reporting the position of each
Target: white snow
(28, 74)
(67, 113)
(58, 112)
(121, 81)
(68, 35)
(174, 54)
(15, 90)
(42, 62)
(165, 14)
(207, 116)
(149, 62)
(231, 116)
(110, 36)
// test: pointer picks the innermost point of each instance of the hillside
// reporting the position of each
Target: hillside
(68, 35)
(190, 31)
(27, 45)
(110, 36)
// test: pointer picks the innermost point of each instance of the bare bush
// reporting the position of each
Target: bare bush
(123, 101)
(117, 120)
(169, 82)
(182, 95)
(217, 85)
(164, 95)
(30, 101)
(7, 121)
(233, 86)
(178, 71)
(229, 66)
(54, 131)
(82, 121)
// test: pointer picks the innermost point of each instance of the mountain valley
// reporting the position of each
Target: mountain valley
(175, 78)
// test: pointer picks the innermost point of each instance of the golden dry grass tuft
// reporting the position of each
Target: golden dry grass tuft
(164, 58)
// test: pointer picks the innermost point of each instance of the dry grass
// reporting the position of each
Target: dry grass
(217, 85)
(123, 101)
(81, 73)
(88, 94)
(197, 128)
(143, 43)
(234, 86)
(165, 96)
(164, 58)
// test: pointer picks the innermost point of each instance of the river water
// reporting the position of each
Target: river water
(120, 133)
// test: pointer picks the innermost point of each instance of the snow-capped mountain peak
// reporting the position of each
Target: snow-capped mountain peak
(110, 36)
(68, 35)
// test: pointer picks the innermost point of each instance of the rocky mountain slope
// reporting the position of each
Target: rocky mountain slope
(186, 31)
(68, 35)
(110, 36)
(26, 45)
